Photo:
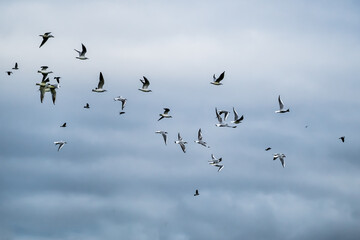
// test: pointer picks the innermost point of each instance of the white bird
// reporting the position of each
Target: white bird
(100, 84)
(145, 85)
(181, 143)
(16, 66)
(82, 53)
(60, 143)
(214, 160)
(163, 133)
(45, 37)
(281, 104)
(221, 123)
(122, 100)
(200, 141)
(217, 80)
(237, 120)
(165, 114)
(281, 158)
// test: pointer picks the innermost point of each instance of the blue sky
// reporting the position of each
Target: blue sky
(115, 179)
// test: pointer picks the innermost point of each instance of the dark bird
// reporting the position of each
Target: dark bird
(121, 113)
(64, 125)
(342, 138)
(9, 72)
(217, 80)
(267, 149)
(196, 193)
(16, 66)
(45, 37)
(87, 105)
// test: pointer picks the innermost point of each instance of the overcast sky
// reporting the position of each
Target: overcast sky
(116, 179)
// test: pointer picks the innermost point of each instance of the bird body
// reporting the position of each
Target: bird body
(45, 37)
(87, 105)
(342, 138)
(64, 125)
(214, 160)
(165, 114)
(145, 85)
(281, 105)
(181, 143)
(200, 141)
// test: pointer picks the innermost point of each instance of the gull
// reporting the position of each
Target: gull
(226, 113)
(281, 104)
(9, 72)
(145, 85)
(181, 142)
(122, 100)
(221, 124)
(16, 66)
(165, 114)
(214, 160)
(220, 166)
(200, 141)
(121, 113)
(217, 80)
(45, 37)
(281, 158)
(237, 120)
(267, 149)
(342, 138)
(64, 125)
(60, 143)
(44, 72)
(100, 84)
(163, 133)
(82, 53)
(87, 105)
(196, 193)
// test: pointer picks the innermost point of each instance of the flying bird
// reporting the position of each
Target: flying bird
(281, 105)
(165, 114)
(9, 72)
(163, 133)
(45, 86)
(196, 193)
(281, 158)
(342, 138)
(82, 53)
(267, 149)
(237, 120)
(121, 113)
(60, 143)
(214, 160)
(217, 80)
(87, 105)
(200, 141)
(16, 66)
(122, 100)
(221, 123)
(100, 84)
(64, 125)
(181, 143)
(44, 71)
(145, 85)
(45, 37)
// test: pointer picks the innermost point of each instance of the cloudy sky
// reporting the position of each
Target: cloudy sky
(116, 179)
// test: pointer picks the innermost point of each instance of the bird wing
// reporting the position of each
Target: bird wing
(236, 116)
(16, 65)
(166, 110)
(146, 82)
(43, 41)
(182, 145)
(199, 135)
(282, 161)
(83, 50)
(53, 94)
(123, 102)
(101, 81)
(61, 144)
(281, 104)
(42, 93)
(221, 77)
(179, 137)
(164, 136)
(218, 116)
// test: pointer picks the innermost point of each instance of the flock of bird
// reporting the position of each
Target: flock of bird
(221, 115)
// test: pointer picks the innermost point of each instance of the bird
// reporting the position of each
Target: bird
(342, 138)
(267, 149)
(163, 133)
(196, 193)
(122, 100)
(281, 158)
(82, 53)
(237, 120)
(214, 160)
(45, 37)
(121, 113)
(57, 78)
(60, 143)
(9, 72)
(44, 71)
(281, 104)
(200, 141)
(226, 113)
(87, 105)
(145, 85)
(181, 143)
(64, 125)
(165, 114)
(221, 123)
(100, 84)
(220, 166)
(217, 80)
(16, 66)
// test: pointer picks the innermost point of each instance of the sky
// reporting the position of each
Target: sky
(116, 179)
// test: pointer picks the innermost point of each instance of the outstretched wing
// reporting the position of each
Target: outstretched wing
(221, 77)
(43, 41)
(166, 110)
(182, 145)
(83, 50)
(53, 95)
(101, 81)
(218, 116)
(281, 104)
(199, 135)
